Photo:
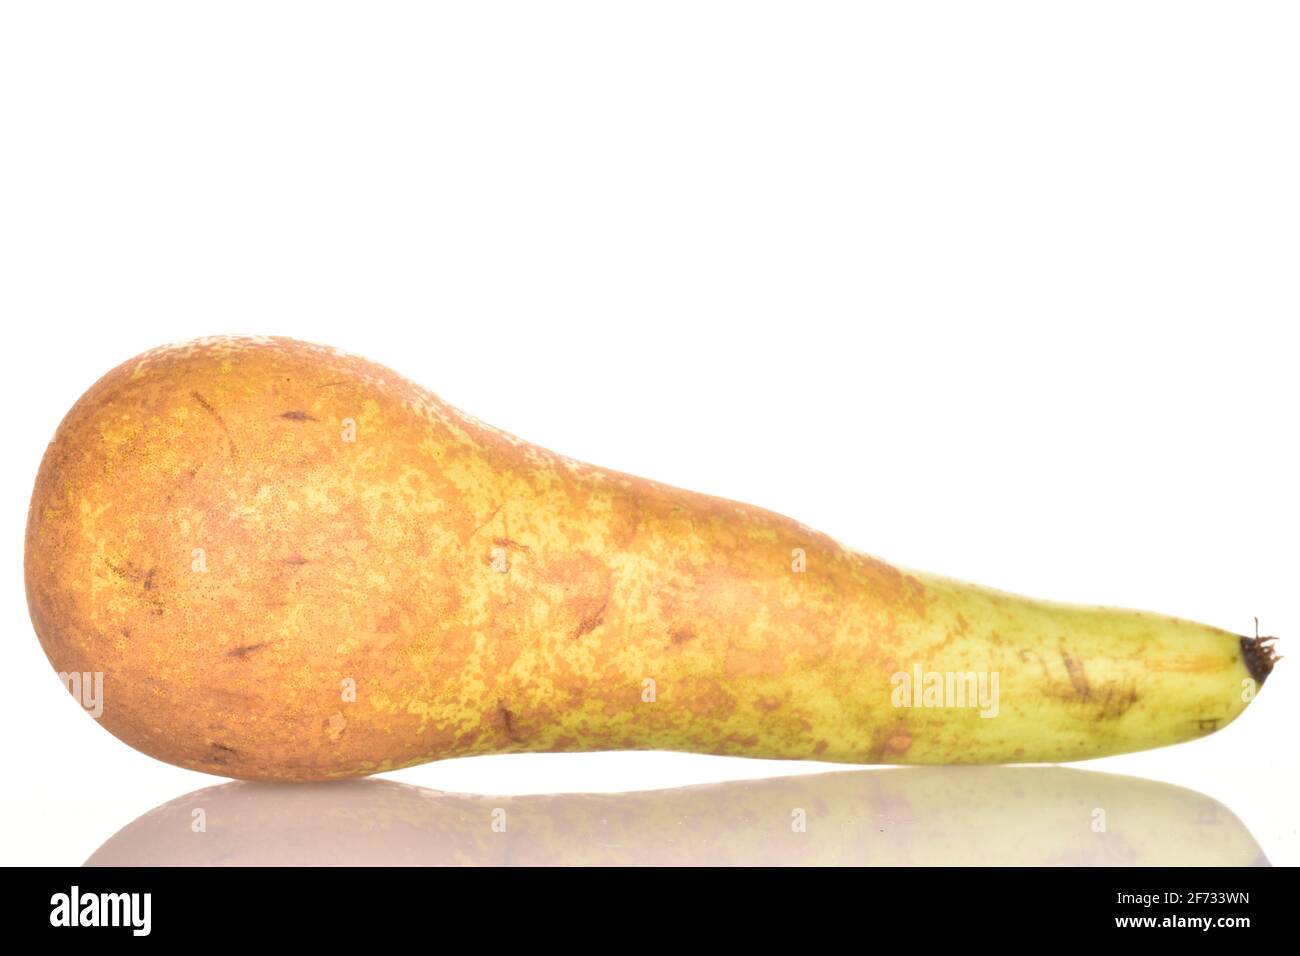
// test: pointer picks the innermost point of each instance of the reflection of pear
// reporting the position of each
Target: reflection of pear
(932, 816)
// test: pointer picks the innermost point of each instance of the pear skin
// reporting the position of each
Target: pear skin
(288, 563)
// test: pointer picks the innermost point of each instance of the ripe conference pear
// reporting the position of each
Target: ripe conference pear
(285, 562)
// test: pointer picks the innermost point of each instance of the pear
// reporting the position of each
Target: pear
(278, 561)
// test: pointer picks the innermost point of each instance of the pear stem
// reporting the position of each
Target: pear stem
(1260, 656)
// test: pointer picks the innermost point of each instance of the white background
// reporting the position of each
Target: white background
(1005, 291)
